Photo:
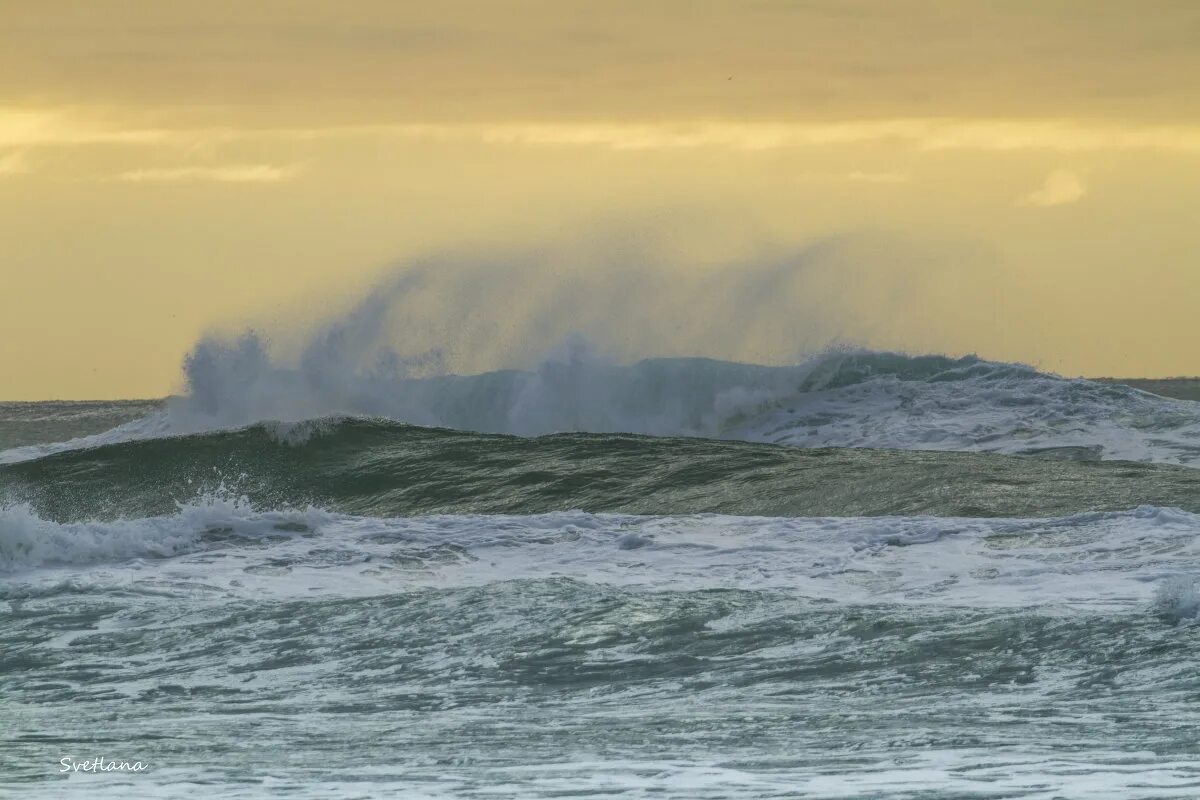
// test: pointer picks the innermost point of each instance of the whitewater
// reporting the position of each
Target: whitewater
(862, 575)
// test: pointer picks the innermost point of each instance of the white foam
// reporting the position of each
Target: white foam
(1026, 774)
(1005, 413)
(1096, 560)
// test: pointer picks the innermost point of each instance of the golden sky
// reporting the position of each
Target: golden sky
(1017, 179)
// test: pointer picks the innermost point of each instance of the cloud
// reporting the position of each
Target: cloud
(878, 177)
(929, 134)
(921, 134)
(229, 173)
(854, 59)
(1059, 189)
(69, 127)
(14, 163)
(29, 128)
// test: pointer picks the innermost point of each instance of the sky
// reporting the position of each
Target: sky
(1015, 179)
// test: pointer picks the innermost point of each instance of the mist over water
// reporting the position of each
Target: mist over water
(554, 334)
(739, 352)
(468, 313)
(540, 343)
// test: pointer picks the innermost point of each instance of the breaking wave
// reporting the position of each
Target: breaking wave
(838, 399)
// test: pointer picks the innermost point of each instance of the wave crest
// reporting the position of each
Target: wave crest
(847, 398)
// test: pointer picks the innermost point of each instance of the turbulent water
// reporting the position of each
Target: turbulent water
(864, 576)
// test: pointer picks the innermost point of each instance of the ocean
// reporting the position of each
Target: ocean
(867, 575)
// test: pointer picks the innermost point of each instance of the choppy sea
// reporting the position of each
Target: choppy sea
(865, 576)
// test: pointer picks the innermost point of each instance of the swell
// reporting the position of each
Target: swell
(383, 468)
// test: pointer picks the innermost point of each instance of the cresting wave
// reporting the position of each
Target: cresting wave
(382, 468)
(840, 399)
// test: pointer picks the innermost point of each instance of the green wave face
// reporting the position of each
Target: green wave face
(381, 468)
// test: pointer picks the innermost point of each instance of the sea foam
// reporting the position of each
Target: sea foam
(1089, 561)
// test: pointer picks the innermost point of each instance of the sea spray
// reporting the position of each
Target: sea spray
(1177, 599)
